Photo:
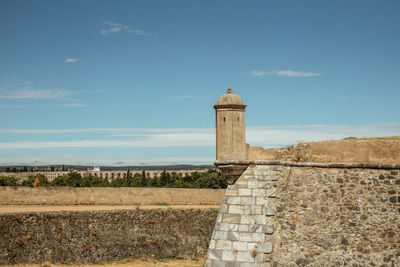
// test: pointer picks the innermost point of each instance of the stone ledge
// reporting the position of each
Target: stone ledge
(311, 164)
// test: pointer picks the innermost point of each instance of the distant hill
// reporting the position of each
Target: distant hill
(117, 168)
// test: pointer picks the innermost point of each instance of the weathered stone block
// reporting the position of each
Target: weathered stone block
(230, 191)
(235, 209)
(264, 184)
(256, 209)
(243, 227)
(258, 237)
(232, 264)
(220, 235)
(239, 246)
(233, 236)
(252, 184)
(269, 210)
(244, 192)
(214, 254)
(218, 263)
(208, 263)
(259, 219)
(231, 218)
(212, 244)
(228, 255)
(259, 258)
(246, 237)
(219, 217)
(270, 178)
(261, 201)
(224, 208)
(241, 184)
(265, 247)
(247, 219)
(256, 228)
(259, 192)
(271, 192)
(245, 257)
(223, 244)
(268, 229)
(234, 200)
(222, 227)
(251, 246)
(233, 227)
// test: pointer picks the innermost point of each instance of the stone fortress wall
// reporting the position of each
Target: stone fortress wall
(283, 213)
(289, 214)
(78, 237)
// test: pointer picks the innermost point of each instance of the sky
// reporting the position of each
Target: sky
(134, 82)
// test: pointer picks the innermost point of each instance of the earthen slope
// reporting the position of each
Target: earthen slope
(349, 150)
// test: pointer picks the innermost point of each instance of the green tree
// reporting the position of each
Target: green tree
(74, 179)
(143, 179)
(153, 182)
(94, 181)
(8, 181)
(59, 181)
(119, 182)
(163, 178)
(136, 180)
(31, 180)
(211, 179)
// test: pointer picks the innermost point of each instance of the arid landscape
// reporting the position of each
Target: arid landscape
(349, 150)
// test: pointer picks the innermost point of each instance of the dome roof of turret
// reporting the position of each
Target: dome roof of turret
(230, 98)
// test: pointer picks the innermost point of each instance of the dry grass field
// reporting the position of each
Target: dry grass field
(347, 150)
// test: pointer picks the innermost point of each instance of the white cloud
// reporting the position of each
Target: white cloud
(17, 89)
(267, 136)
(34, 94)
(70, 60)
(291, 73)
(261, 73)
(286, 73)
(134, 131)
(73, 105)
(113, 27)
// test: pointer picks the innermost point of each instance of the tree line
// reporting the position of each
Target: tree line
(210, 179)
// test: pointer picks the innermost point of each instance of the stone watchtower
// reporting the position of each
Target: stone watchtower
(232, 150)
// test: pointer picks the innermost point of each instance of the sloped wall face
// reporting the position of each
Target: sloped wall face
(243, 234)
(277, 215)
(104, 236)
(328, 216)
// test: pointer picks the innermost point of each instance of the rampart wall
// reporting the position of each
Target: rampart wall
(19, 195)
(104, 236)
(276, 214)
(309, 214)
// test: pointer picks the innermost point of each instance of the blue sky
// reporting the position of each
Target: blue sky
(134, 82)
